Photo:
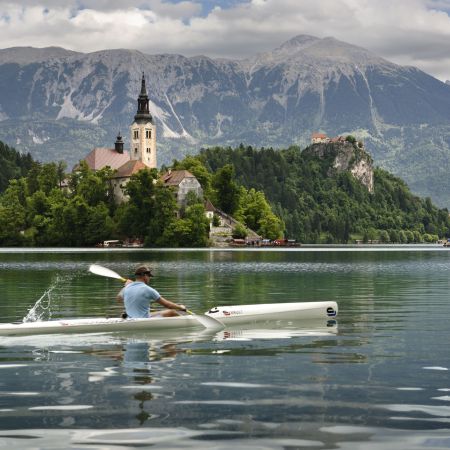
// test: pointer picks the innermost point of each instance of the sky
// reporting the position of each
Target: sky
(406, 32)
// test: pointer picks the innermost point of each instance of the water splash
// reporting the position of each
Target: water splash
(41, 309)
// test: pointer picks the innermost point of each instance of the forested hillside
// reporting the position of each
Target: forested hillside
(40, 210)
(318, 207)
(291, 193)
(12, 165)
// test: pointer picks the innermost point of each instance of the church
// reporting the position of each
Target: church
(141, 155)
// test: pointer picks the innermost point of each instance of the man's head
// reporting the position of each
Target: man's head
(143, 272)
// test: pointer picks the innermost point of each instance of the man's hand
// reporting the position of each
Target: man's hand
(182, 308)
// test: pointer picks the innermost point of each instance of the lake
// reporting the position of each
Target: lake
(377, 378)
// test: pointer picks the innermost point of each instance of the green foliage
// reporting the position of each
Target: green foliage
(239, 231)
(227, 192)
(12, 214)
(12, 165)
(257, 214)
(36, 211)
(318, 207)
(286, 193)
(215, 220)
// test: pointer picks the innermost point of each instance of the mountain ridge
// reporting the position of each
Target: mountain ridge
(60, 107)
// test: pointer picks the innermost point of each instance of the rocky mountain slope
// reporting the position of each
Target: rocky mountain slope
(58, 104)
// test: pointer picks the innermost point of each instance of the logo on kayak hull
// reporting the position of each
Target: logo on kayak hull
(331, 312)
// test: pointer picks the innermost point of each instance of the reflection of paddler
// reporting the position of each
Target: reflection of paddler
(138, 296)
(137, 355)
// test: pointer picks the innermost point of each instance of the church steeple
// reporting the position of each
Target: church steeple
(143, 113)
(143, 131)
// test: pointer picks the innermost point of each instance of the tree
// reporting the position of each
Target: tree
(12, 214)
(384, 237)
(216, 221)
(61, 172)
(199, 225)
(94, 187)
(239, 231)
(257, 214)
(190, 231)
(227, 190)
(164, 213)
(133, 216)
(48, 177)
(270, 227)
(12, 165)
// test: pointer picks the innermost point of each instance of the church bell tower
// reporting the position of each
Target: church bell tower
(143, 131)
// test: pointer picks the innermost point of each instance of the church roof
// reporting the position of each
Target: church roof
(175, 177)
(101, 157)
(130, 168)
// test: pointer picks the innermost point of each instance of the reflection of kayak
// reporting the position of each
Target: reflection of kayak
(228, 315)
(278, 330)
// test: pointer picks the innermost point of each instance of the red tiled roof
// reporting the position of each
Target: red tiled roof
(175, 177)
(318, 136)
(101, 157)
(209, 207)
(130, 168)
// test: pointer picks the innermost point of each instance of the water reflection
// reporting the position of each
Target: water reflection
(378, 379)
(278, 330)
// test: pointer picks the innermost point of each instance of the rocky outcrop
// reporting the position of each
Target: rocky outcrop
(346, 156)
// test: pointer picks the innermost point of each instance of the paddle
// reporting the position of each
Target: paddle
(105, 272)
(206, 321)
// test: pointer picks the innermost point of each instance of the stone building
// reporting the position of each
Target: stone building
(183, 182)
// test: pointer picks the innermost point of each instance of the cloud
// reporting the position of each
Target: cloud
(412, 32)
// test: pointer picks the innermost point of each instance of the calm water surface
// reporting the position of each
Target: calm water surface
(376, 379)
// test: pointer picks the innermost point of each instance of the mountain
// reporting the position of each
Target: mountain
(59, 104)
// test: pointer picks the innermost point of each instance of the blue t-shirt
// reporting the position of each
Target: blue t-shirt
(137, 297)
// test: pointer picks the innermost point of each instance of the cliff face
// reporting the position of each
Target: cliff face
(346, 156)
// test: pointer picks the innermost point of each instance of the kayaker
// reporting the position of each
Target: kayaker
(138, 296)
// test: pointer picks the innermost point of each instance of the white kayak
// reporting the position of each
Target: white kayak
(239, 314)
(223, 315)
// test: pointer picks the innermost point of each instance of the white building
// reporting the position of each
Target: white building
(183, 182)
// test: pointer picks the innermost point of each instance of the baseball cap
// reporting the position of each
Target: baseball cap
(143, 270)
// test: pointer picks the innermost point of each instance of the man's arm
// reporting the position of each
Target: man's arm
(170, 305)
(120, 293)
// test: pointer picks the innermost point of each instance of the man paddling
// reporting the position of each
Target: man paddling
(138, 296)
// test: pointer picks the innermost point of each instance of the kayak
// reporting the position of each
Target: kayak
(223, 315)
(239, 314)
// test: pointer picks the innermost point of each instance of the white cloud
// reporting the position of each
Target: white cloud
(413, 32)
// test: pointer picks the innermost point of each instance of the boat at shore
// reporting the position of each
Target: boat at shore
(223, 315)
